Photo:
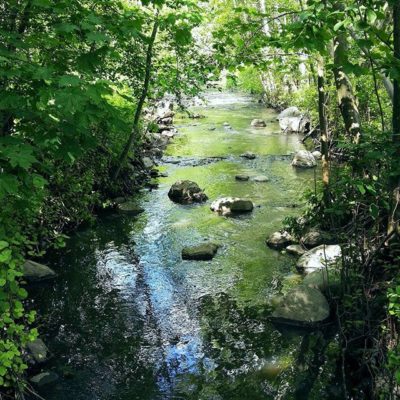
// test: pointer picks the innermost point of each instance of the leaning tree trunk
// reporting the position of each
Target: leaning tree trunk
(135, 132)
(347, 100)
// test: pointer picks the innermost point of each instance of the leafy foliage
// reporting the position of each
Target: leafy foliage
(70, 75)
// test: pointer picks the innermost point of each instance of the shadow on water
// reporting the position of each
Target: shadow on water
(128, 319)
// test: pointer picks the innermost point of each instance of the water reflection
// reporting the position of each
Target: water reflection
(134, 321)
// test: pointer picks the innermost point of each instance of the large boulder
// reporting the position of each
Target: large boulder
(35, 272)
(292, 120)
(232, 205)
(290, 112)
(321, 257)
(186, 192)
(279, 240)
(323, 280)
(201, 252)
(304, 159)
(303, 306)
(258, 123)
(37, 351)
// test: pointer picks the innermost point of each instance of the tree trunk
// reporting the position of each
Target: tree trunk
(135, 132)
(395, 179)
(323, 123)
(347, 101)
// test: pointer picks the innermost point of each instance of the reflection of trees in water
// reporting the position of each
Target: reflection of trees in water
(91, 325)
(241, 342)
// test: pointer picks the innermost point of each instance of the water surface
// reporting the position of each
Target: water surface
(128, 319)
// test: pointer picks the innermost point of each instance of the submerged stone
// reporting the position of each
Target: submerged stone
(302, 305)
(230, 205)
(201, 252)
(186, 192)
(35, 272)
(321, 257)
(130, 207)
(38, 351)
(261, 179)
(242, 177)
(258, 123)
(44, 378)
(249, 155)
(279, 240)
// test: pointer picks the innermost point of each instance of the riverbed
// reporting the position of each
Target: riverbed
(128, 319)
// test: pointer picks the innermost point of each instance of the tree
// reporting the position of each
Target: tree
(135, 133)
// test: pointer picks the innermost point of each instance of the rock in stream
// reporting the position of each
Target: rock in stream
(201, 252)
(232, 205)
(186, 192)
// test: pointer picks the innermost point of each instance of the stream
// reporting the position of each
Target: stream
(128, 319)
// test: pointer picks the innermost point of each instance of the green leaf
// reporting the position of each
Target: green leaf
(361, 188)
(8, 184)
(66, 27)
(97, 37)
(69, 80)
(371, 16)
(338, 25)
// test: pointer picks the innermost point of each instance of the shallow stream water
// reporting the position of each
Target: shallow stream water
(128, 319)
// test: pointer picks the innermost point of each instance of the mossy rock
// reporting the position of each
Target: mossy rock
(201, 252)
(130, 207)
(44, 378)
(302, 306)
(324, 280)
(186, 192)
(38, 351)
(35, 272)
(279, 240)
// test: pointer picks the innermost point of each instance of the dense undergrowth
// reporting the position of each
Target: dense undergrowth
(338, 63)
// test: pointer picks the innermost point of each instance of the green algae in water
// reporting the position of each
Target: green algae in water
(135, 321)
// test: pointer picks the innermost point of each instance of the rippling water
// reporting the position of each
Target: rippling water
(128, 319)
